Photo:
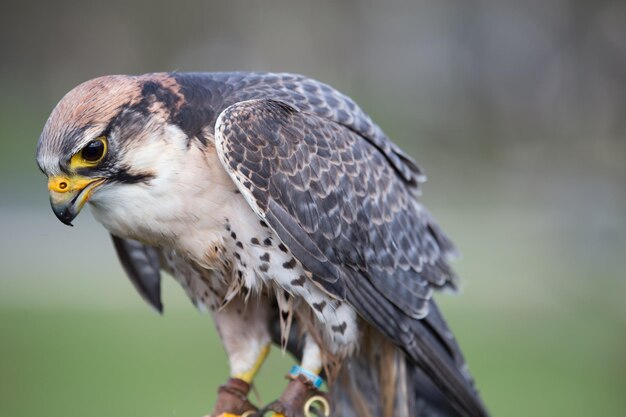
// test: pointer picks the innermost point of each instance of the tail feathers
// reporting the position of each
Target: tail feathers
(427, 344)
(381, 382)
(426, 377)
(439, 357)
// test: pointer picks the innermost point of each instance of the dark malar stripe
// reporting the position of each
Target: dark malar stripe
(125, 177)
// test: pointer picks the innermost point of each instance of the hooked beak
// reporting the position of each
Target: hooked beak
(68, 195)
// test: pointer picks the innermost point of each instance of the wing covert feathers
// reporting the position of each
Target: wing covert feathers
(332, 197)
(351, 219)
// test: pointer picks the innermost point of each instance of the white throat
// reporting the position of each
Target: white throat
(182, 207)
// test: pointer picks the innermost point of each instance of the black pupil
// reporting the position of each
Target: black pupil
(93, 151)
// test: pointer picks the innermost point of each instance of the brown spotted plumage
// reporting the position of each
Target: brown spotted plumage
(276, 202)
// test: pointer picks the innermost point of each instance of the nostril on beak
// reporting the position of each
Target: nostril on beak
(60, 184)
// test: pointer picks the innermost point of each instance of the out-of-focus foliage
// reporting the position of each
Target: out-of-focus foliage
(516, 110)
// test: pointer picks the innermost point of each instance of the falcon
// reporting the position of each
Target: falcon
(282, 209)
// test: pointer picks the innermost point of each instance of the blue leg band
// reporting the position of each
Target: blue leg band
(316, 380)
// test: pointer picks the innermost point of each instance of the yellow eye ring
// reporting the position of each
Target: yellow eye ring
(91, 155)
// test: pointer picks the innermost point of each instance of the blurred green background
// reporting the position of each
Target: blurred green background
(516, 110)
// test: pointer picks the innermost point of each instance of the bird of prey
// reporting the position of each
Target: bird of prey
(286, 212)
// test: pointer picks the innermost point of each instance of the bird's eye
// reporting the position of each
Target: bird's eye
(94, 151)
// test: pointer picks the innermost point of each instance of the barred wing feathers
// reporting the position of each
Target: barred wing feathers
(350, 217)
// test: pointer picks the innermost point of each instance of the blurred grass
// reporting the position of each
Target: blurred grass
(74, 362)
(544, 364)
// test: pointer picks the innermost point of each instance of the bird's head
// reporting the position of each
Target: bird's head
(105, 134)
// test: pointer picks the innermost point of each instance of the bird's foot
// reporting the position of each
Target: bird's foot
(232, 400)
(301, 398)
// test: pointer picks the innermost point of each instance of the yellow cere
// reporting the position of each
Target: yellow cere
(63, 184)
(63, 189)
